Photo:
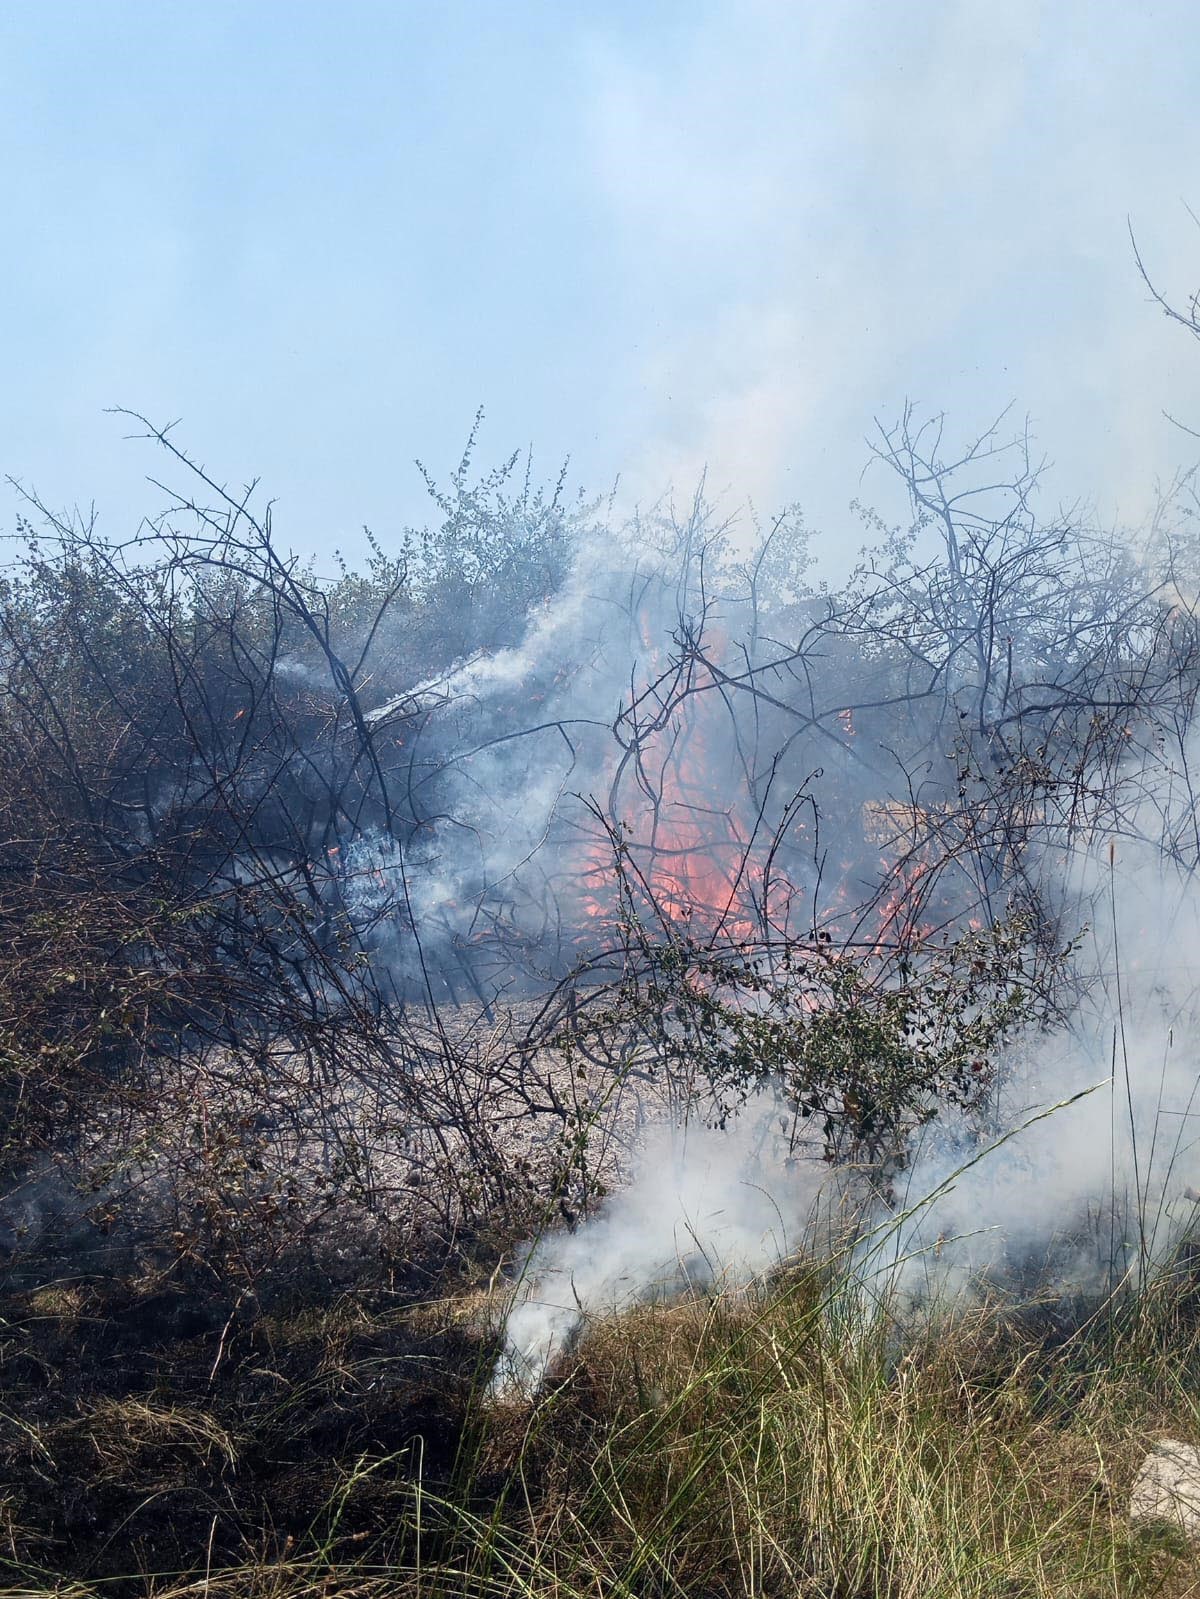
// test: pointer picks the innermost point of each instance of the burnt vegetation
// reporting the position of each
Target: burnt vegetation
(351, 923)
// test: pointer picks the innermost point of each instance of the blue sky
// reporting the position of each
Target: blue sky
(656, 237)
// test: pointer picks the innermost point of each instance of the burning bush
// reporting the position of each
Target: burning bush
(442, 859)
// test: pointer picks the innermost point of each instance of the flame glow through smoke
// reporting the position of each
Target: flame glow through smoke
(1088, 1175)
(633, 719)
(608, 730)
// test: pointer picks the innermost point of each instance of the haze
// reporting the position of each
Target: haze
(656, 238)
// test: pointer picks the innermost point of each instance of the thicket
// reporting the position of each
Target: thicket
(285, 1012)
(809, 848)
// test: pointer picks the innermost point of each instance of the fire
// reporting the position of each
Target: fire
(697, 855)
(690, 857)
(899, 914)
(700, 868)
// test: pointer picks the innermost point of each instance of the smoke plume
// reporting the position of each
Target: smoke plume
(706, 1207)
(1082, 1176)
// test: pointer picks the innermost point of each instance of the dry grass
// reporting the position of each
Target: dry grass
(782, 1442)
(761, 1449)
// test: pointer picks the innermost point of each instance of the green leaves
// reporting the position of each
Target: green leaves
(868, 1044)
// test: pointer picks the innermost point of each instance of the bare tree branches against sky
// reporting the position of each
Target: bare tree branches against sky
(657, 237)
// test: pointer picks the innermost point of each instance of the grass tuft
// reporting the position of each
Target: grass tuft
(790, 1439)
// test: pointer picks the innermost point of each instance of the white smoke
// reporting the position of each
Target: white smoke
(511, 747)
(1085, 1175)
(582, 630)
(705, 1207)
(1091, 1169)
